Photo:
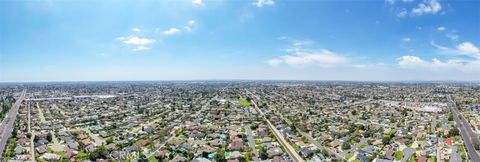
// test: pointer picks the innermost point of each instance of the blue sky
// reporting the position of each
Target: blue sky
(239, 39)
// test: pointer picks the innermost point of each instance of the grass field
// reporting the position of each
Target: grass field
(244, 102)
(152, 158)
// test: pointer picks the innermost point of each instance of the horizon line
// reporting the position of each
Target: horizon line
(238, 80)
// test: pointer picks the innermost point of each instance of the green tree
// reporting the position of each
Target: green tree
(475, 145)
(398, 155)
(346, 146)
(49, 137)
(220, 155)
(14, 132)
(263, 153)
(109, 140)
(142, 158)
(453, 132)
(450, 117)
(386, 140)
(100, 153)
(248, 155)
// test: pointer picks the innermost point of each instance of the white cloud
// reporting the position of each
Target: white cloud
(302, 42)
(410, 60)
(139, 43)
(402, 13)
(274, 62)
(191, 22)
(427, 7)
(391, 2)
(453, 37)
(300, 57)
(140, 48)
(282, 38)
(190, 25)
(406, 39)
(467, 49)
(171, 31)
(438, 46)
(441, 28)
(414, 62)
(134, 40)
(322, 58)
(261, 3)
(407, 1)
(198, 3)
(136, 30)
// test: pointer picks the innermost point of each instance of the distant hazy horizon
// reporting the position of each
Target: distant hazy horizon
(242, 80)
(391, 40)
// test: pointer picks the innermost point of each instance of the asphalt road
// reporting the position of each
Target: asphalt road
(320, 146)
(465, 131)
(7, 124)
(251, 142)
(407, 153)
(344, 153)
(290, 150)
(306, 135)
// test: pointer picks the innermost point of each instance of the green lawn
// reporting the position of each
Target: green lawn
(350, 155)
(152, 158)
(398, 155)
(462, 152)
(363, 146)
(244, 102)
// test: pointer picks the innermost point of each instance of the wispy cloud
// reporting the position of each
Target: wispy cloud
(139, 43)
(302, 42)
(190, 25)
(406, 39)
(198, 3)
(403, 12)
(274, 62)
(422, 8)
(171, 31)
(415, 62)
(467, 49)
(140, 48)
(427, 7)
(390, 2)
(136, 30)
(453, 37)
(134, 40)
(298, 56)
(441, 28)
(261, 3)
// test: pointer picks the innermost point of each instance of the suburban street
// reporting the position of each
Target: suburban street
(465, 130)
(362, 141)
(306, 135)
(32, 150)
(310, 138)
(251, 143)
(290, 150)
(408, 152)
(7, 125)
